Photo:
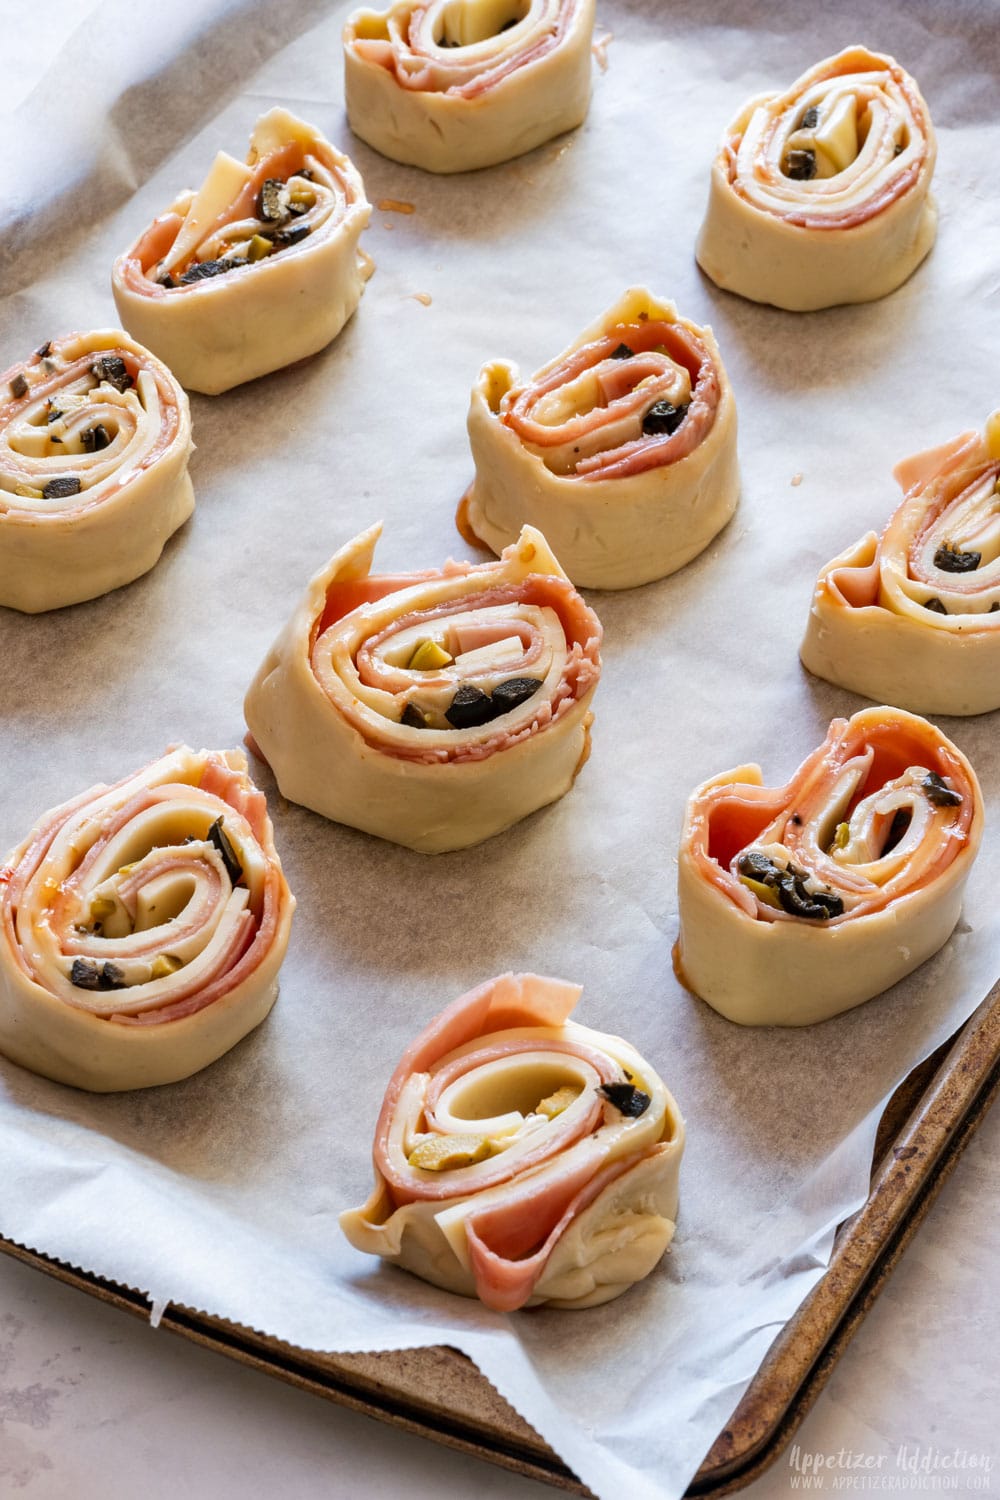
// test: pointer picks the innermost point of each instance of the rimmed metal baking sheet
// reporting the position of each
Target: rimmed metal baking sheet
(437, 1393)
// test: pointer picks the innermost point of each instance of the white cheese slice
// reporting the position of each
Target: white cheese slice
(836, 138)
(488, 658)
(223, 185)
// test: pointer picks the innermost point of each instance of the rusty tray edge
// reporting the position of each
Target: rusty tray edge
(906, 1179)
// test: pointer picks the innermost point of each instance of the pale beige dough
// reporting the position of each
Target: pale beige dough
(442, 130)
(614, 1243)
(608, 1245)
(134, 494)
(608, 533)
(64, 1033)
(259, 317)
(868, 629)
(747, 244)
(321, 760)
(794, 972)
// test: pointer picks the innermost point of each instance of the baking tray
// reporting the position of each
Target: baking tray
(439, 1394)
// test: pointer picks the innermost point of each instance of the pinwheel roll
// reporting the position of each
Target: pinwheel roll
(450, 85)
(913, 616)
(821, 195)
(258, 268)
(95, 436)
(433, 709)
(622, 449)
(143, 926)
(521, 1158)
(801, 901)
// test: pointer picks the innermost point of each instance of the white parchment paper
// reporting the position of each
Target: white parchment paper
(222, 1192)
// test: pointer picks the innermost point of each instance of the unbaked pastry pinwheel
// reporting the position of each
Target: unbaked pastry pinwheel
(433, 709)
(143, 926)
(451, 85)
(798, 902)
(521, 1158)
(95, 436)
(913, 616)
(258, 268)
(821, 195)
(622, 449)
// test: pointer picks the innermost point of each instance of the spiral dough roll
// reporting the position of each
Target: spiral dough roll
(521, 1158)
(434, 709)
(95, 436)
(798, 902)
(821, 195)
(143, 926)
(450, 85)
(912, 617)
(622, 449)
(258, 268)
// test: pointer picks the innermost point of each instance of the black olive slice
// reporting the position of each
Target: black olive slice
(939, 792)
(271, 204)
(86, 974)
(44, 351)
(19, 386)
(111, 367)
(168, 281)
(953, 560)
(626, 1098)
(832, 905)
(470, 707)
(936, 606)
(663, 417)
(800, 165)
(203, 269)
(292, 235)
(901, 820)
(757, 866)
(413, 717)
(94, 439)
(217, 835)
(58, 489)
(799, 902)
(810, 119)
(622, 352)
(514, 692)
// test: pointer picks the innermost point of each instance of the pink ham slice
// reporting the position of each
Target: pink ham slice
(253, 935)
(580, 625)
(847, 217)
(643, 453)
(418, 70)
(732, 816)
(511, 1240)
(49, 388)
(944, 473)
(510, 1243)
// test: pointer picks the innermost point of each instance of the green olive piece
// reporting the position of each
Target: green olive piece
(258, 247)
(440, 1153)
(766, 893)
(428, 656)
